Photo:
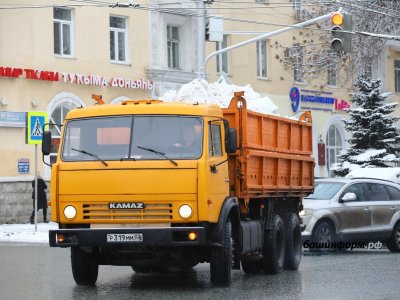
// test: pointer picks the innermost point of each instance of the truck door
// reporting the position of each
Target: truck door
(218, 176)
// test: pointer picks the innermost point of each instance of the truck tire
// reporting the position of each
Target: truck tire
(84, 267)
(251, 264)
(293, 243)
(274, 247)
(393, 244)
(221, 259)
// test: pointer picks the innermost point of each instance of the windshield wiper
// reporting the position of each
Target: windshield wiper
(159, 153)
(91, 154)
(127, 158)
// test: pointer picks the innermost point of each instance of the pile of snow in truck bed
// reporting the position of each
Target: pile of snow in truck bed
(200, 91)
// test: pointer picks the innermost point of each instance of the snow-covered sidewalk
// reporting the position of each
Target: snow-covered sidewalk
(25, 233)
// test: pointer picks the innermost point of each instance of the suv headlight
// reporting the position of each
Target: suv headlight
(306, 212)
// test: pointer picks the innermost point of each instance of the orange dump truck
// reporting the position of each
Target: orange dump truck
(160, 186)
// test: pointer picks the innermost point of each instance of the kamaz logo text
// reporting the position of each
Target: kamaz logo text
(127, 205)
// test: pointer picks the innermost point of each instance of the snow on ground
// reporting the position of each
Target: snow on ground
(200, 91)
(25, 233)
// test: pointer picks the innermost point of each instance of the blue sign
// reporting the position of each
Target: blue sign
(295, 98)
(12, 119)
(36, 121)
(308, 97)
(23, 166)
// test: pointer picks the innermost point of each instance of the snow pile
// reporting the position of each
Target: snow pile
(25, 233)
(200, 91)
(364, 159)
(392, 174)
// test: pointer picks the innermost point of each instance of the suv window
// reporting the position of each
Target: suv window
(359, 189)
(378, 192)
(394, 193)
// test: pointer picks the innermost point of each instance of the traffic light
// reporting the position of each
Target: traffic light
(342, 24)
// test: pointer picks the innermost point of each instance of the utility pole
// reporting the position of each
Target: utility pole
(201, 32)
(202, 69)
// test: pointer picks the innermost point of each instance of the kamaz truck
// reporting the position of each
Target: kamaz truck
(132, 186)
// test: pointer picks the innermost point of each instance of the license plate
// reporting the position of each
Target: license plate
(124, 237)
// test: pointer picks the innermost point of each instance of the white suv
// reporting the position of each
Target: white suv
(353, 210)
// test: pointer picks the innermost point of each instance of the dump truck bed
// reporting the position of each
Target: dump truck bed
(274, 156)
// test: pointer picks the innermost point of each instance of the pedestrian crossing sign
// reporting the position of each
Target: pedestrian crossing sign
(36, 121)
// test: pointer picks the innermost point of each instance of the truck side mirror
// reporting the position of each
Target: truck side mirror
(46, 143)
(232, 141)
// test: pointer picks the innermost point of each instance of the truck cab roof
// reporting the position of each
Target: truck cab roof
(144, 107)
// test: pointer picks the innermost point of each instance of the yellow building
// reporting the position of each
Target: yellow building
(54, 57)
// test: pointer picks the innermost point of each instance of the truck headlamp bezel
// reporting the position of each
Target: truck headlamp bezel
(70, 212)
(185, 211)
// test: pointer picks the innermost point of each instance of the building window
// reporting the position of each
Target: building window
(368, 69)
(57, 118)
(173, 47)
(222, 59)
(298, 71)
(333, 147)
(397, 76)
(332, 75)
(297, 4)
(118, 39)
(63, 31)
(262, 62)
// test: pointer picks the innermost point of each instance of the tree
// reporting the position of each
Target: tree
(311, 55)
(374, 135)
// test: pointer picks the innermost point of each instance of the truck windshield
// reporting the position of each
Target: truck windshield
(130, 137)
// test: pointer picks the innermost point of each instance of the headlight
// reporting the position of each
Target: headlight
(305, 212)
(185, 211)
(70, 212)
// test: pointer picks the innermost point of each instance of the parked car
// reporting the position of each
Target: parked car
(353, 210)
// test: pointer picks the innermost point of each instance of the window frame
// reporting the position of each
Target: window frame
(298, 68)
(116, 31)
(332, 73)
(213, 142)
(365, 189)
(170, 48)
(337, 148)
(61, 23)
(396, 75)
(389, 189)
(262, 59)
(370, 184)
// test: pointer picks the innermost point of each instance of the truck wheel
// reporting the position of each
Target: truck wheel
(251, 264)
(393, 243)
(221, 259)
(293, 243)
(274, 247)
(84, 267)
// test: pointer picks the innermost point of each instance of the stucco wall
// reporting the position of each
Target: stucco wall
(16, 202)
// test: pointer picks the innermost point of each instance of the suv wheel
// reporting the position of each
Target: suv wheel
(323, 233)
(393, 243)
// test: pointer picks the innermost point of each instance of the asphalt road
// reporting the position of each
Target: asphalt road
(40, 272)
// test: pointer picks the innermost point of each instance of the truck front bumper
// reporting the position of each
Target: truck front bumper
(164, 237)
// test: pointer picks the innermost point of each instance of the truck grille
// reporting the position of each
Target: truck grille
(154, 212)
